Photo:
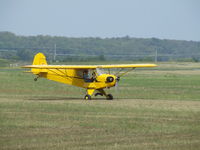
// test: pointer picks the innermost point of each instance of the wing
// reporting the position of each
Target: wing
(89, 66)
(61, 66)
(128, 66)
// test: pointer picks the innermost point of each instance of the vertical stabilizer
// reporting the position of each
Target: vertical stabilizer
(39, 59)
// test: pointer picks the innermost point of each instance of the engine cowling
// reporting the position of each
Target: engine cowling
(106, 78)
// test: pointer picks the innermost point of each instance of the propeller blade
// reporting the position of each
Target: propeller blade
(116, 84)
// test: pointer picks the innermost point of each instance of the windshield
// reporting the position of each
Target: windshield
(100, 71)
(115, 71)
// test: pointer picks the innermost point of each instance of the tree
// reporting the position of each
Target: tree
(25, 55)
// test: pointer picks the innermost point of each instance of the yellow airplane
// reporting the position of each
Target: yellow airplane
(90, 77)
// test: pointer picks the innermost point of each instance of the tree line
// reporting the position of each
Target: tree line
(23, 48)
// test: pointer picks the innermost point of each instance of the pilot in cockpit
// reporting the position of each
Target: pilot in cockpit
(87, 77)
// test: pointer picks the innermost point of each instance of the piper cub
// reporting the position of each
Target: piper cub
(91, 77)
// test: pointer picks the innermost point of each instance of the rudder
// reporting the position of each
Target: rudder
(39, 59)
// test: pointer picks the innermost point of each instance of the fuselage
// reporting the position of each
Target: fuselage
(75, 77)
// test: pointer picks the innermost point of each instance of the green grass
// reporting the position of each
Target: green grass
(74, 124)
(153, 109)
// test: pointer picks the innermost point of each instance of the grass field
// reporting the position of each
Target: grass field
(153, 109)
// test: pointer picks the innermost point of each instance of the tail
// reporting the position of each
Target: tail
(39, 59)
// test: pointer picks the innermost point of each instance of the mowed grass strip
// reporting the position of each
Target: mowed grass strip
(75, 124)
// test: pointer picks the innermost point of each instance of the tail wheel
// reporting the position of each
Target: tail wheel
(109, 97)
(87, 97)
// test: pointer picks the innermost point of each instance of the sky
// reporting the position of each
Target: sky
(164, 19)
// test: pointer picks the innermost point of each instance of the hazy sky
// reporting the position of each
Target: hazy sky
(165, 19)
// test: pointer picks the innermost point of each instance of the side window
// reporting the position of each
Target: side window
(86, 74)
(79, 73)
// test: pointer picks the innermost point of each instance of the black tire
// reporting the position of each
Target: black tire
(87, 97)
(109, 97)
(98, 94)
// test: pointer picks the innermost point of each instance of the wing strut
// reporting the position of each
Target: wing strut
(122, 74)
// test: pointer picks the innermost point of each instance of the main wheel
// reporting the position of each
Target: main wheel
(87, 97)
(109, 97)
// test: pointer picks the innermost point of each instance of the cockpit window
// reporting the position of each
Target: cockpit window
(100, 71)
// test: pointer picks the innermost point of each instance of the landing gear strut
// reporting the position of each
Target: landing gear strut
(89, 94)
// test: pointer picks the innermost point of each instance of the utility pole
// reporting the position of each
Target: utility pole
(156, 55)
(54, 56)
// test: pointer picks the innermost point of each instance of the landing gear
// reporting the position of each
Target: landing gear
(101, 93)
(35, 79)
(89, 94)
(87, 97)
(109, 97)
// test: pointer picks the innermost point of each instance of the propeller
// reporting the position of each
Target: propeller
(116, 84)
(117, 79)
